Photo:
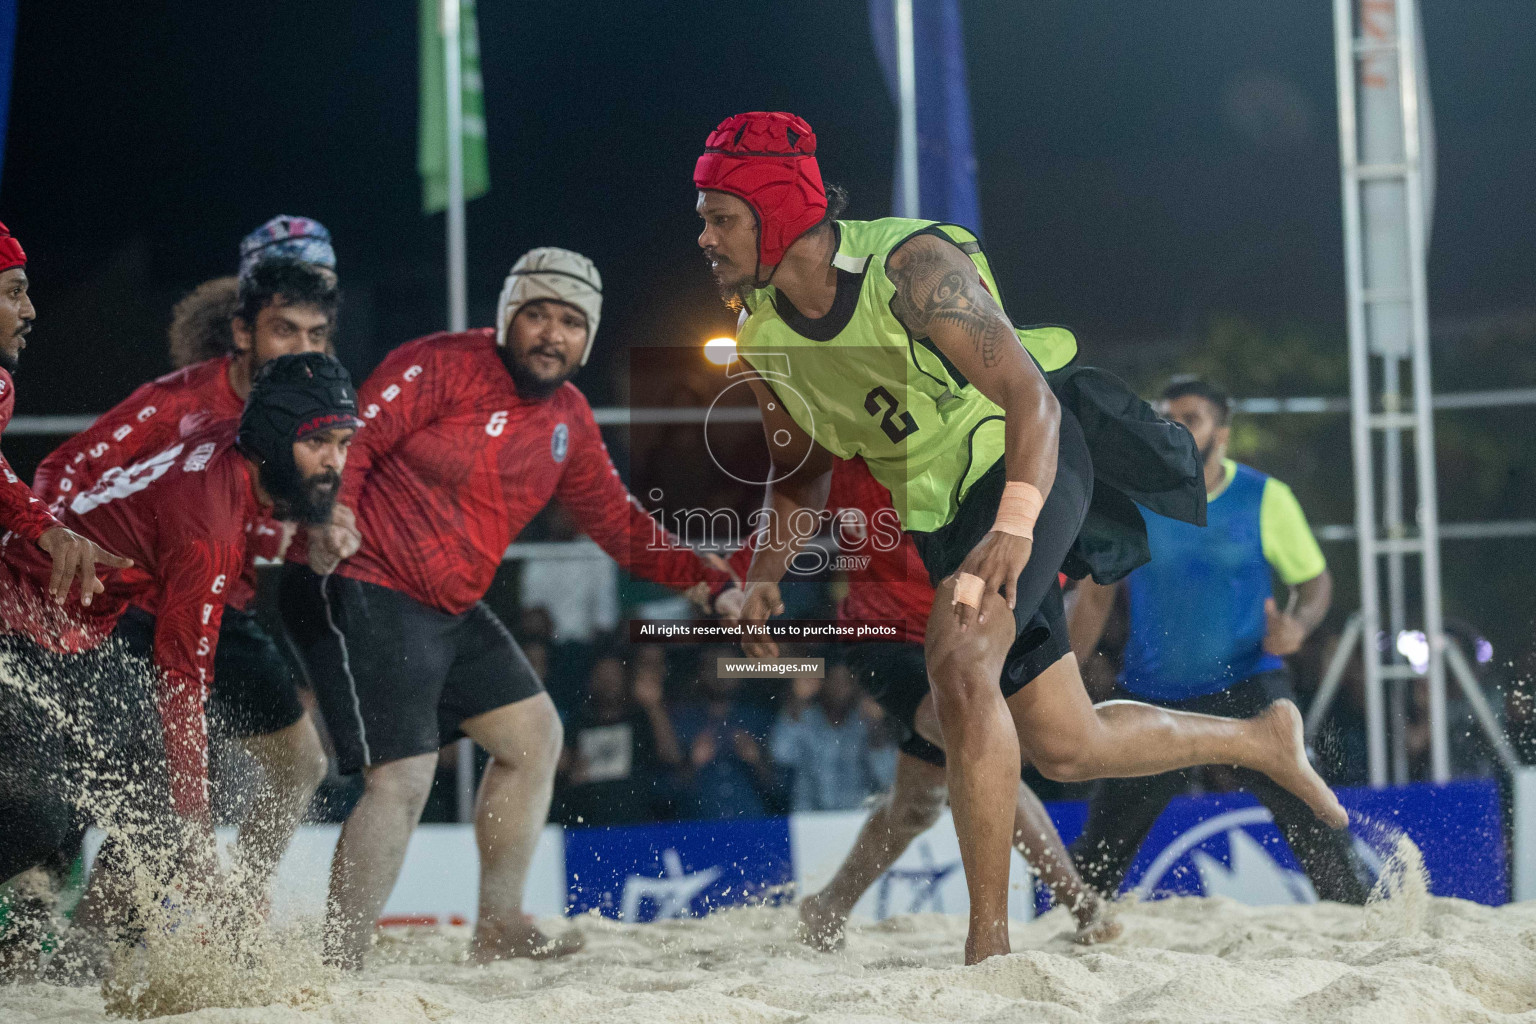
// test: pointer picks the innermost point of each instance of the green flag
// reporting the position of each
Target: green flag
(432, 142)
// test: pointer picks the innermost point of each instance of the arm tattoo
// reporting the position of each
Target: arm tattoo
(932, 288)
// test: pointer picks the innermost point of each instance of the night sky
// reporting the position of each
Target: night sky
(1142, 164)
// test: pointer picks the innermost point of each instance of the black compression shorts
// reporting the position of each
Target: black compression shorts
(394, 677)
(1062, 516)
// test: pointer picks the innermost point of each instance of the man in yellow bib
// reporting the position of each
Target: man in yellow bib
(887, 340)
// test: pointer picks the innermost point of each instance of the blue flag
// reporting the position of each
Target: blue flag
(7, 55)
(946, 162)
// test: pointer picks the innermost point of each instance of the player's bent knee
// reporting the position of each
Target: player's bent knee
(302, 774)
(1061, 763)
(308, 763)
(406, 782)
(916, 813)
(546, 737)
(292, 758)
(1061, 754)
(315, 766)
(526, 735)
(959, 677)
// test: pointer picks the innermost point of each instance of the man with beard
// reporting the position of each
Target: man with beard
(284, 304)
(886, 339)
(26, 523)
(22, 514)
(126, 745)
(202, 323)
(1207, 635)
(469, 436)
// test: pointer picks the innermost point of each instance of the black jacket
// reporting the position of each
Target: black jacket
(1138, 458)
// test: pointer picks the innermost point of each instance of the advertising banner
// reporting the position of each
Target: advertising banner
(1227, 844)
(647, 873)
(1212, 845)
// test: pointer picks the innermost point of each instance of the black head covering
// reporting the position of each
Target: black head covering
(292, 397)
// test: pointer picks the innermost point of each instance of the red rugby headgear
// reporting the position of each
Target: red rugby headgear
(10, 251)
(768, 160)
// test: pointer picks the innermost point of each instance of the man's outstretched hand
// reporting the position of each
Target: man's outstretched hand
(1283, 633)
(76, 557)
(762, 602)
(729, 603)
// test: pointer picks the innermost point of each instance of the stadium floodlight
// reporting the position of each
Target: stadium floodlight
(720, 351)
(1413, 645)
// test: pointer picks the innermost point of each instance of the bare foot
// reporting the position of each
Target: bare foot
(1096, 923)
(522, 940)
(986, 941)
(340, 954)
(820, 926)
(1288, 766)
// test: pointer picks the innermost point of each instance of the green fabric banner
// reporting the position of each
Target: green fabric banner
(432, 140)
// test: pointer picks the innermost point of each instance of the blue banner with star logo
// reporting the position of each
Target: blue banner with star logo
(651, 873)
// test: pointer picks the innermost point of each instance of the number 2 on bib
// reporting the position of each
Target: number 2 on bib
(896, 423)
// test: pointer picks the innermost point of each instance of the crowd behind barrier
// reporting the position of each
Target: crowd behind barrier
(653, 734)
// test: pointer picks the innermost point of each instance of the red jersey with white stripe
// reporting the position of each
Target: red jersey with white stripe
(21, 512)
(453, 463)
(150, 420)
(887, 579)
(181, 515)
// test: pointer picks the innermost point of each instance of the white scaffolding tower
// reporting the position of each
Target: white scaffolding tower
(1387, 165)
(1381, 152)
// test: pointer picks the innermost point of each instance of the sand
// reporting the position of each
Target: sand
(1187, 960)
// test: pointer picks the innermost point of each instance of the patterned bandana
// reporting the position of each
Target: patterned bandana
(296, 238)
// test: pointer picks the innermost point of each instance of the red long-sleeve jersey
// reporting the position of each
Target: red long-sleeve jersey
(151, 419)
(181, 515)
(886, 577)
(21, 512)
(453, 463)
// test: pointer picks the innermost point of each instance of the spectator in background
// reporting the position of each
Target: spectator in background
(727, 772)
(535, 624)
(537, 652)
(1207, 636)
(648, 666)
(837, 757)
(619, 746)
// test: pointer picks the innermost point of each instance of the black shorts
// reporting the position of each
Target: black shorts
(80, 744)
(253, 693)
(1056, 529)
(394, 677)
(897, 677)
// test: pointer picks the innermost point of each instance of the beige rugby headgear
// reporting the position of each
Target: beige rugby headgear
(552, 273)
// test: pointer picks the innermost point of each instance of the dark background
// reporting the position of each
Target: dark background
(1163, 177)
